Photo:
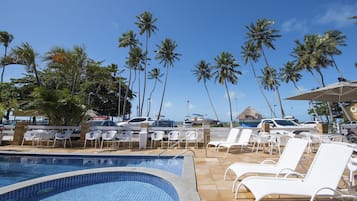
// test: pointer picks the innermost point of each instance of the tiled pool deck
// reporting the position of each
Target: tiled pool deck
(210, 167)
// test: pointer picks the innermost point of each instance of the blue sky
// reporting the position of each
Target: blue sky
(202, 30)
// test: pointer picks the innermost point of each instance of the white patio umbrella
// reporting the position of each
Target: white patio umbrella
(337, 92)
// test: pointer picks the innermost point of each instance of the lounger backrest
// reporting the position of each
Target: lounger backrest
(292, 153)
(328, 166)
(244, 136)
(233, 135)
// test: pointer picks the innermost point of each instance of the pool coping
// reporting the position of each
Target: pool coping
(185, 185)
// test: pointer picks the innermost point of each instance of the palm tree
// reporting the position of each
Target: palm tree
(146, 25)
(135, 62)
(166, 54)
(25, 55)
(225, 71)
(156, 75)
(203, 72)
(270, 81)
(261, 35)
(333, 39)
(128, 39)
(71, 62)
(5, 39)
(290, 73)
(250, 54)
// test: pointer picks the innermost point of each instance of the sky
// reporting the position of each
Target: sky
(202, 30)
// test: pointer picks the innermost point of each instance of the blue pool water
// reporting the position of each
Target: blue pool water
(121, 190)
(17, 168)
(126, 186)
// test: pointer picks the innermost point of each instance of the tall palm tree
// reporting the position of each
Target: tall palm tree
(290, 73)
(203, 72)
(261, 34)
(166, 54)
(135, 62)
(146, 25)
(250, 54)
(71, 62)
(156, 75)
(225, 71)
(333, 39)
(5, 39)
(128, 39)
(25, 55)
(270, 81)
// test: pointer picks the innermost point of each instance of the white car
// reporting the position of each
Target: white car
(135, 123)
(310, 124)
(280, 123)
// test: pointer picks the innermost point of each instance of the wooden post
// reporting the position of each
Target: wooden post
(20, 129)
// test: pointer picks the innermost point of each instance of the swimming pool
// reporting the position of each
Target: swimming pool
(15, 168)
(167, 177)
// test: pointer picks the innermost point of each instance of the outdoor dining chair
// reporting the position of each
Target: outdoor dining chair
(93, 136)
(64, 137)
(157, 136)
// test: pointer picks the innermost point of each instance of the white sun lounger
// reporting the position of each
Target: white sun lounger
(242, 140)
(288, 161)
(231, 138)
(322, 177)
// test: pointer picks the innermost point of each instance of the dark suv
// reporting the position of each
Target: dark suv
(164, 123)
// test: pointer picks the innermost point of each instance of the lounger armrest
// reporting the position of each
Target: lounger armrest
(269, 160)
(337, 193)
(286, 172)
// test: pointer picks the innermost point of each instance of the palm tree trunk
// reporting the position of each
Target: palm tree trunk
(36, 74)
(337, 68)
(163, 93)
(280, 103)
(262, 91)
(145, 72)
(230, 105)
(139, 93)
(210, 100)
(3, 67)
(152, 91)
(126, 94)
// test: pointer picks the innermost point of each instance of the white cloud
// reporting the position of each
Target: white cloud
(168, 104)
(338, 15)
(293, 25)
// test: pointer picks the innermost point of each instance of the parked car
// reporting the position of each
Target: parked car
(281, 123)
(135, 123)
(164, 123)
(94, 123)
(310, 124)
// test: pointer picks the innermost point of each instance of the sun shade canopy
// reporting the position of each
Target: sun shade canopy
(336, 92)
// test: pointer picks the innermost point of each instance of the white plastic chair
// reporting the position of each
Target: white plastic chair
(322, 177)
(63, 137)
(231, 138)
(28, 136)
(288, 161)
(40, 136)
(157, 136)
(109, 137)
(191, 137)
(125, 137)
(242, 141)
(173, 136)
(93, 135)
